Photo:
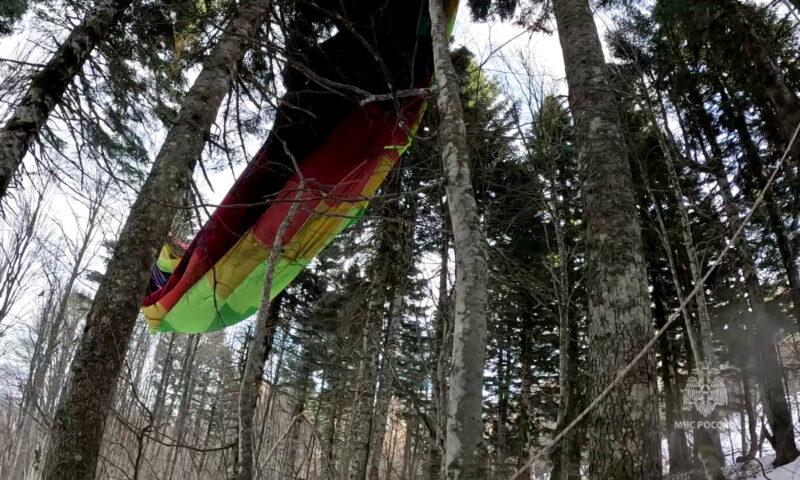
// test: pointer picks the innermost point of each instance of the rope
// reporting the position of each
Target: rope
(560, 436)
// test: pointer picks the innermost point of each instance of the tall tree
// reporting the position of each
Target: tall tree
(464, 452)
(82, 412)
(623, 429)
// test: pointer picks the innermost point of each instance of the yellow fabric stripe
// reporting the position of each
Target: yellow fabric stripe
(154, 314)
(236, 264)
(318, 230)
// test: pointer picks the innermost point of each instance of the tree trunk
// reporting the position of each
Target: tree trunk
(704, 319)
(465, 448)
(364, 394)
(441, 335)
(163, 381)
(527, 408)
(50, 83)
(78, 427)
(735, 117)
(749, 409)
(397, 248)
(329, 447)
(385, 382)
(706, 440)
(267, 321)
(301, 386)
(502, 413)
(434, 461)
(565, 457)
(187, 387)
(783, 99)
(623, 429)
(680, 459)
(768, 368)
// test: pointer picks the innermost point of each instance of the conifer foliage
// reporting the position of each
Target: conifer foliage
(493, 312)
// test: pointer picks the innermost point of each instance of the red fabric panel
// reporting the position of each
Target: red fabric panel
(359, 138)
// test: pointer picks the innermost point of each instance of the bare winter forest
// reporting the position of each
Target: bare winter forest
(399, 239)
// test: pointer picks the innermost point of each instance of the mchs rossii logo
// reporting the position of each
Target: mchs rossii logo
(704, 392)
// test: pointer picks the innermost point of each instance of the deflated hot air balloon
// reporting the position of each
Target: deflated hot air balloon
(343, 150)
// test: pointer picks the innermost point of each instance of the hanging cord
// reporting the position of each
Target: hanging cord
(674, 316)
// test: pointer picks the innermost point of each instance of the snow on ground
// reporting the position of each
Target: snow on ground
(753, 470)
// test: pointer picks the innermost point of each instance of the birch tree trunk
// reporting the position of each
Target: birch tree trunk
(623, 430)
(79, 423)
(704, 319)
(50, 83)
(707, 440)
(465, 448)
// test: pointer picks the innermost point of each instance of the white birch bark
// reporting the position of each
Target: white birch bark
(464, 452)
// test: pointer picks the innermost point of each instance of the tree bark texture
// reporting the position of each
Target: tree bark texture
(80, 419)
(623, 429)
(465, 449)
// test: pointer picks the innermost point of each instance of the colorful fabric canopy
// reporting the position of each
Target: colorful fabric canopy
(343, 155)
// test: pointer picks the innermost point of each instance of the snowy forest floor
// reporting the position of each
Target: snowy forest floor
(762, 469)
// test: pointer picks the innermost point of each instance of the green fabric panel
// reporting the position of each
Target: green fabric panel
(228, 316)
(196, 311)
(246, 298)
(217, 324)
(191, 313)
(163, 328)
(165, 265)
(285, 275)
